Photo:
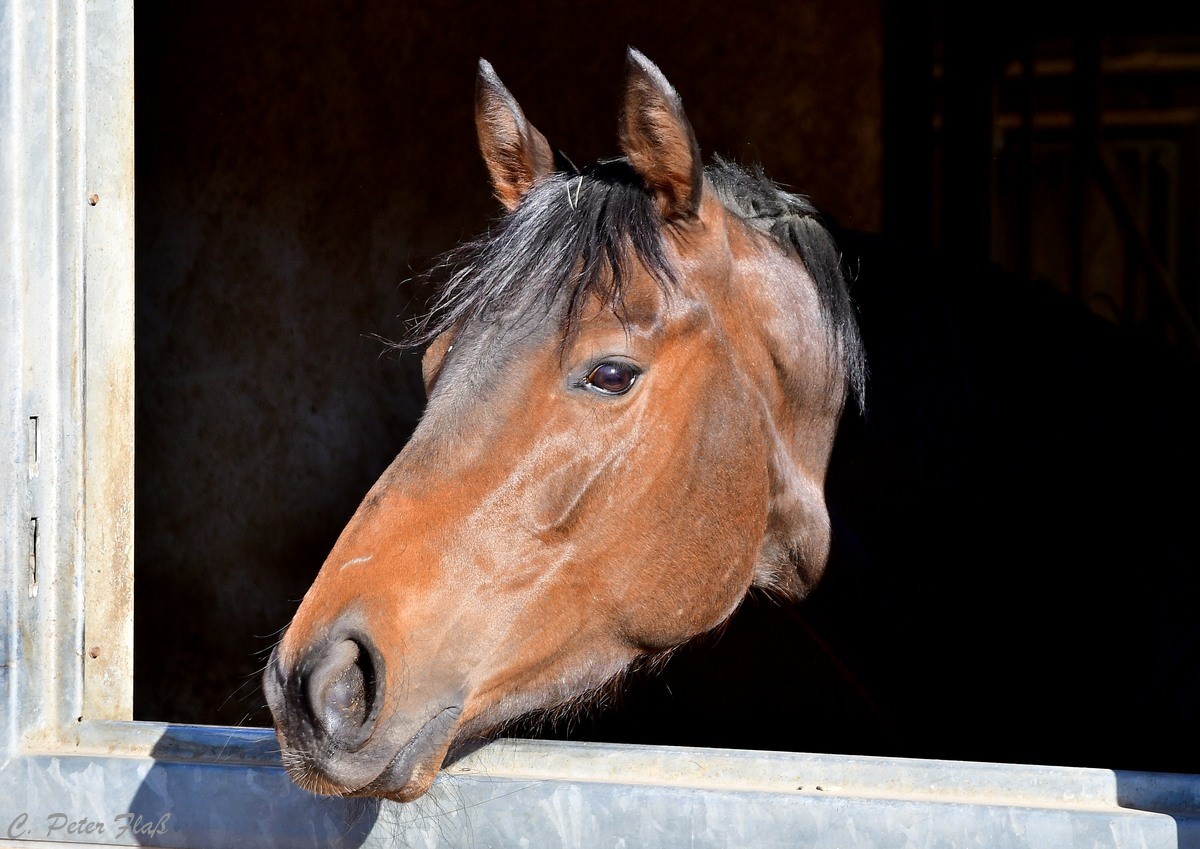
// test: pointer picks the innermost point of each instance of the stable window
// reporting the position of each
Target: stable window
(76, 766)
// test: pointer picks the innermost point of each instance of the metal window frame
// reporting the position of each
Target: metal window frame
(74, 767)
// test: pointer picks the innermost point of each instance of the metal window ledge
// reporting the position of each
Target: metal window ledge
(190, 786)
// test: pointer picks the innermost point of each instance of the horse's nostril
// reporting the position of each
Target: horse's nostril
(346, 699)
(342, 692)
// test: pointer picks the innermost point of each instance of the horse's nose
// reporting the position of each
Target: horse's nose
(342, 691)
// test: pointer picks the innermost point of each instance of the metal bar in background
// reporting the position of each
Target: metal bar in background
(1024, 145)
(908, 139)
(968, 107)
(1085, 150)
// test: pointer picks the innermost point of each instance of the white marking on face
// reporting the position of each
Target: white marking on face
(354, 560)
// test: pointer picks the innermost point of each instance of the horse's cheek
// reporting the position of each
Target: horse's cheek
(737, 509)
(703, 569)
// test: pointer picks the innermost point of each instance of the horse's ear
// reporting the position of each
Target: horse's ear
(658, 140)
(517, 155)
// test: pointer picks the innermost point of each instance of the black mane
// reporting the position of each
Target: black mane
(577, 233)
(796, 225)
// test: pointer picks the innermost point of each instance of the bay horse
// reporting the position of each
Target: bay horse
(634, 382)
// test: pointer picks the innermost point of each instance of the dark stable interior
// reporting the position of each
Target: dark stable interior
(1015, 566)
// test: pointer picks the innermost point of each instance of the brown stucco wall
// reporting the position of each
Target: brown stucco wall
(296, 163)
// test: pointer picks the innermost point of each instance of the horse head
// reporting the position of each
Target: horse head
(634, 380)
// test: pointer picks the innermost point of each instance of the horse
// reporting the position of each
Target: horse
(634, 382)
(649, 421)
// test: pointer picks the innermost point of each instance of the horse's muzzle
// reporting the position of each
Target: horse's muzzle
(333, 735)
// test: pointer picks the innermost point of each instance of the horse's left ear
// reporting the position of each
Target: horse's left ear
(517, 155)
(658, 140)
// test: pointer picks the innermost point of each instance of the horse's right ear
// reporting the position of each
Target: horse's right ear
(517, 155)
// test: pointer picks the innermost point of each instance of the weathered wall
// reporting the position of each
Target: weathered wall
(296, 163)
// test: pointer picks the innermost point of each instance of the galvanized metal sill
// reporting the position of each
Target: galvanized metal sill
(219, 787)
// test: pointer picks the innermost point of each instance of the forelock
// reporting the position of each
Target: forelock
(573, 235)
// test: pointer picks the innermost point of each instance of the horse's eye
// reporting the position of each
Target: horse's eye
(612, 378)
